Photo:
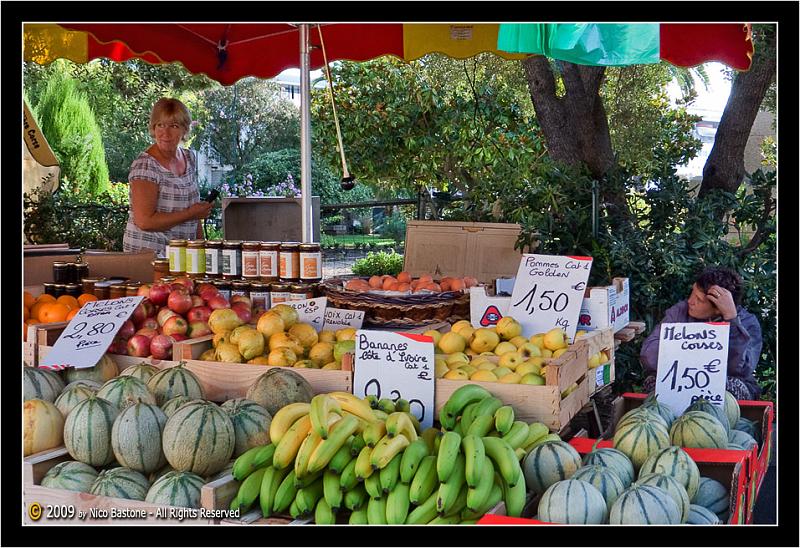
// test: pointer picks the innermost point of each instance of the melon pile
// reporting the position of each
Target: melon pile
(147, 434)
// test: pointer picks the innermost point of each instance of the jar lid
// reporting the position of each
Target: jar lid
(213, 242)
(177, 242)
(60, 264)
(134, 284)
(94, 280)
(231, 242)
(251, 244)
(221, 282)
(280, 287)
(160, 261)
(290, 244)
(240, 283)
(196, 242)
(63, 286)
(271, 243)
(310, 247)
(119, 286)
(73, 286)
(259, 285)
(48, 284)
(299, 287)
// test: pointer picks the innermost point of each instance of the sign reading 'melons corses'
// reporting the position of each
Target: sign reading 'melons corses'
(548, 293)
(89, 334)
(394, 366)
(692, 363)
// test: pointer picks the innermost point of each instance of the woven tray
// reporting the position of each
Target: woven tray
(391, 309)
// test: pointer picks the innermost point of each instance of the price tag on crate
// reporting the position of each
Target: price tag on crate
(549, 292)
(396, 365)
(339, 318)
(692, 363)
(89, 334)
(311, 311)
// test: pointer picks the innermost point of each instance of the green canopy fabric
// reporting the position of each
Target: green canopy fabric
(596, 44)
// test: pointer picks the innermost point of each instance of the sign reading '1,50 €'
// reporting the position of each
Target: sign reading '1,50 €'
(549, 292)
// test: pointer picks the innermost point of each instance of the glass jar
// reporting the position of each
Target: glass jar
(231, 259)
(132, 289)
(240, 287)
(59, 289)
(224, 287)
(49, 288)
(279, 293)
(300, 292)
(310, 263)
(82, 271)
(213, 249)
(167, 280)
(160, 269)
(268, 262)
(117, 291)
(196, 258)
(61, 272)
(251, 252)
(290, 262)
(259, 297)
(72, 273)
(102, 290)
(88, 284)
(177, 257)
(73, 290)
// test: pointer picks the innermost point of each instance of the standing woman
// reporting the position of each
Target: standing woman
(164, 196)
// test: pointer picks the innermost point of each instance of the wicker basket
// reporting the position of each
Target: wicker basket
(391, 309)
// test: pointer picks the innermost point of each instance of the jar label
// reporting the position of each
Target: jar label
(250, 264)
(212, 261)
(177, 259)
(287, 266)
(195, 261)
(311, 266)
(225, 293)
(260, 300)
(268, 264)
(238, 292)
(230, 262)
(279, 297)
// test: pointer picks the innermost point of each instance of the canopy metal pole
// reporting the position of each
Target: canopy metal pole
(305, 136)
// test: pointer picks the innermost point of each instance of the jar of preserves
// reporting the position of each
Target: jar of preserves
(231, 259)
(279, 293)
(268, 262)
(82, 271)
(289, 261)
(49, 288)
(88, 284)
(167, 279)
(224, 287)
(102, 290)
(259, 297)
(240, 287)
(213, 250)
(132, 289)
(61, 272)
(73, 290)
(196, 258)
(310, 263)
(251, 253)
(300, 292)
(117, 291)
(72, 273)
(59, 289)
(177, 257)
(160, 269)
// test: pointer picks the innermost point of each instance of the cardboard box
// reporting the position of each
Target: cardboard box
(481, 250)
(607, 306)
(38, 269)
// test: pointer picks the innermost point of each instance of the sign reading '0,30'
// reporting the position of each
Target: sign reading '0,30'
(549, 292)
(89, 334)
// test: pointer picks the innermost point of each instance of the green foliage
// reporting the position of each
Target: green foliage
(68, 123)
(393, 226)
(378, 264)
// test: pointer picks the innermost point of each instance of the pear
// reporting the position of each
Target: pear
(451, 343)
(282, 357)
(508, 328)
(484, 340)
(503, 348)
(555, 339)
(251, 344)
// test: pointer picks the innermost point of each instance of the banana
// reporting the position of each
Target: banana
(536, 431)
(373, 486)
(429, 435)
(460, 503)
(285, 418)
(403, 405)
(374, 432)
(449, 448)
(250, 489)
(287, 448)
(415, 421)
(390, 474)
(458, 428)
(481, 426)
(330, 489)
(504, 419)
(520, 453)
(450, 489)
(264, 456)
(543, 439)
(337, 437)
(293, 511)
(517, 435)
(308, 497)
(376, 511)
(324, 514)
(303, 457)
(372, 400)
(321, 406)
(425, 480)
(468, 414)
(386, 449)
(285, 494)
(357, 444)
(505, 460)
(387, 406)
(479, 493)
(468, 522)
(488, 406)
(356, 498)
(459, 399)
(269, 487)
(423, 513)
(412, 456)
(514, 497)
(306, 480)
(348, 479)
(495, 496)
(342, 457)
(358, 517)
(363, 468)
(397, 505)
(380, 414)
(353, 405)
(455, 519)
(474, 453)
(400, 423)
(234, 504)
(243, 465)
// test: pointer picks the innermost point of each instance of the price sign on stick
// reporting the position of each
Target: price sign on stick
(339, 318)
(89, 334)
(548, 293)
(692, 363)
(311, 311)
(394, 366)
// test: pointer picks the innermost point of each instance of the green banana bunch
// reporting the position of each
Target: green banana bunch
(250, 489)
(468, 414)
(495, 496)
(389, 475)
(243, 465)
(517, 435)
(386, 449)
(386, 405)
(481, 426)
(303, 457)
(357, 444)
(504, 458)
(403, 405)
(269, 487)
(473, 449)
(449, 490)
(359, 517)
(411, 458)
(324, 514)
(356, 498)
(331, 490)
(308, 497)
(504, 419)
(430, 435)
(348, 478)
(478, 494)
(536, 431)
(341, 459)
(372, 400)
(363, 468)
(376, 511)
(514, 497)
(285, 495)
(543, 439)
(264, 456)
(425, 512)
(449, 448)
(337, 436)
(397, 504)
(454, 519)
(374, 433)
(373, 486)
(306, 480)
(425, 481)
(459, 399)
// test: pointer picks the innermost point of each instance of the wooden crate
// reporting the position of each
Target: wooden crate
(597, 341)
(123, 362)
(90, 509)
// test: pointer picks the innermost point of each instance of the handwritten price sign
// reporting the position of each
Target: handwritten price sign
(692, 363)
(311, 311)
(396, 365)
(339, 318)
(549, 292)
(89, 334)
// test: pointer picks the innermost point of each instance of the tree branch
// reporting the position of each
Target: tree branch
(762, 231)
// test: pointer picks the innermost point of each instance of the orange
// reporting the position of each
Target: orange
(25, 313)
(33, 322)
(45, 298)
(72, 314)
(28, 299)
(36, 310)
(55, 312)
(85, 298)
(69, 301)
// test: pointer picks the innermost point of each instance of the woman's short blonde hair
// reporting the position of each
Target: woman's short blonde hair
(169, 109)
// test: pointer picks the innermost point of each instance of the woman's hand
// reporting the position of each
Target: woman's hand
(723, 300)
(199, 210)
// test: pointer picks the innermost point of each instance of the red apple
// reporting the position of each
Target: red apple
(179, 337)
(198, 329)
(161, 347)
(127, 330)
(149, 323)
(139, 346)
(175, 325)
(144, 290)
(241, 299)
(139, 314)
(118, 346)
(149, 308)
(159, 293)
(218, 301)
(164, 314)
(197, 301)
(148, 332)
(243, 311)
(175, 286)
(198, 314)
(186, 282)
(208, 293)
(179, 301)
(199, 288)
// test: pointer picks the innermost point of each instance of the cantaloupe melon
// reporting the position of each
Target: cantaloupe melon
(602, 478)
(41, 384)
(104, 370)
(699, 515)
(548, 463)
(674, 461)
(175, 381)
(143, 371)
(173, 404)
(641, 437)
(71, 397)
(672, 487)
(614, 459)
(573, 501)
(42, 426)
(122, 483)
(651, 403)
(87, 431)
(176, 489)
(713, 495)
(199, 438)
(136, 437)
(125, 391)
(70, 475)
(717, 411)
(700, 430)
(644, 505)
(732, 409)
(279, 387)
(251, 423)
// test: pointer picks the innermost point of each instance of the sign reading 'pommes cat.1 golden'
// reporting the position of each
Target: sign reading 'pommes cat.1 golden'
(548, 293)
